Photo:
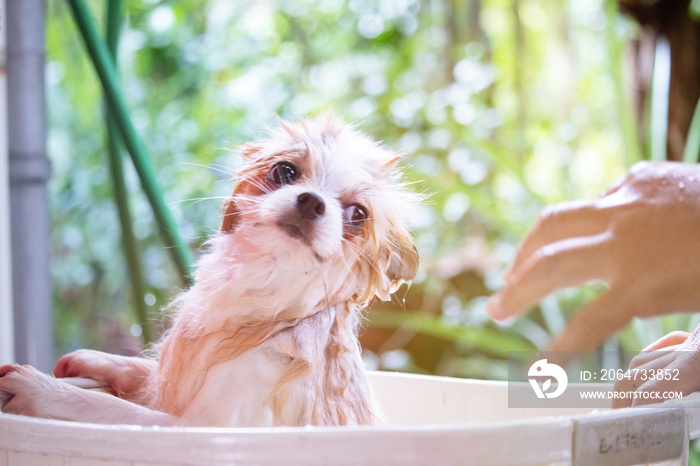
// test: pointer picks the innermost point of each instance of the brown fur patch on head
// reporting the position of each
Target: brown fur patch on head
(230, 217)
(229, 220)
(252, 180)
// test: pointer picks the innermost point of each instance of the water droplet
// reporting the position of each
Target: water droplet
(136, 330)
(664, 181)
(681, 186)
(691, 179)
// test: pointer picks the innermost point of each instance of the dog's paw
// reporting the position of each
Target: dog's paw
(25, 390)
(125, 376)
(87, 363)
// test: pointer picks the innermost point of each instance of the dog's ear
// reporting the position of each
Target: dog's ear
(229, 220)
(399, 262)
(286, 126)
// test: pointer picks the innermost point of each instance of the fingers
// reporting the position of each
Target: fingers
(658, 355)
(637, 377)
(565, 263)
(558, 222)
(672, 339)
(675, 373)
(673, 369)
(593, 324)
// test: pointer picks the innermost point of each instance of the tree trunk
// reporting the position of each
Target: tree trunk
(670, 19)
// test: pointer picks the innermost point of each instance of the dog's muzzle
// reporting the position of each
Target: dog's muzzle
(300, 222)
(310, 206)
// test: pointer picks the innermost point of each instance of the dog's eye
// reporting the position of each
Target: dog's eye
(355, 215)
(283, 173)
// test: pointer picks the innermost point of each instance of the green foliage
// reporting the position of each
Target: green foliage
(501, 108)
(692, 146)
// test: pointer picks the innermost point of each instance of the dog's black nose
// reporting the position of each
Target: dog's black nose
(310, 205)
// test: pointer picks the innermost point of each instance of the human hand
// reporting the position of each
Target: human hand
(642, 239)
(675, 359)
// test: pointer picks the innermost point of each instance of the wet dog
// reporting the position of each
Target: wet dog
(316, 227)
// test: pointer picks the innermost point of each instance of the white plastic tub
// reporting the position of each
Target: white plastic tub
(433, 420)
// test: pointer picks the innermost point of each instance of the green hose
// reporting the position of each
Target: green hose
(99, 53)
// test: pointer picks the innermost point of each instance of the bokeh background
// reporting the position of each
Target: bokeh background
(501, 107)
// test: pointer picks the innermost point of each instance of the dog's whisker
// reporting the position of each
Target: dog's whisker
(213, 167)
(196, 200)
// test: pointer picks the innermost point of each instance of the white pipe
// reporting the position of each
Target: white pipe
(7, 346)
(29, 173)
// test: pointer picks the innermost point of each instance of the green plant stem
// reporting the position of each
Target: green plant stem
(624, 107)
(691, 153)
(121, 197)
(103, 65)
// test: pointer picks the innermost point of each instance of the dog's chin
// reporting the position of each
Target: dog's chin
(290, 258)
(298, 233)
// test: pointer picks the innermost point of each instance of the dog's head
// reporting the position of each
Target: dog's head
(320, 196)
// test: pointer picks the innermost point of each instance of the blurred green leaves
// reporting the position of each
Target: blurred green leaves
(501, 107)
